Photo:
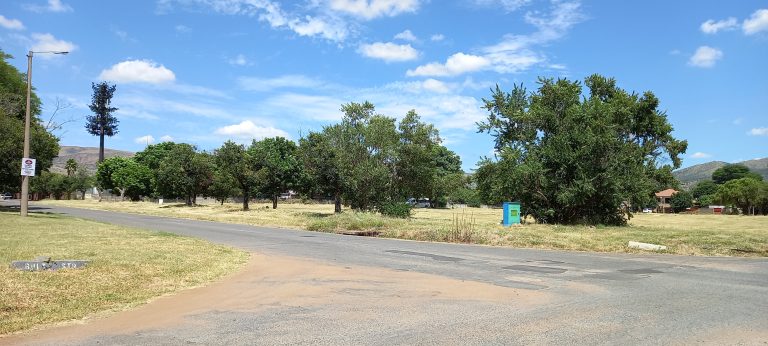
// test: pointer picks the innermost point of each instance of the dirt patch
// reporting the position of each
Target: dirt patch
(270, 281)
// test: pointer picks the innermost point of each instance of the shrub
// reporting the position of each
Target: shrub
(392, 209)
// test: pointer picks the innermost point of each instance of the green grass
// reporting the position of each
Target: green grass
(128, 267)
(710, 235)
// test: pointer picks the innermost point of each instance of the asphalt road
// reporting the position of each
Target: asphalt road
(333, 289)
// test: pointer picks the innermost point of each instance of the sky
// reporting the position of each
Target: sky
(207, 71)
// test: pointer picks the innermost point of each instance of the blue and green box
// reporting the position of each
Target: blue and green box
(511, 213)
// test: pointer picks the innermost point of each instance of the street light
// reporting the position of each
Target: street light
(25, 178)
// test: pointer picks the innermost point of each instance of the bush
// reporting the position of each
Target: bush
(400, 210)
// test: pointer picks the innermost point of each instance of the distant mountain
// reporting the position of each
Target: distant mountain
(87, 156)
(689, 176)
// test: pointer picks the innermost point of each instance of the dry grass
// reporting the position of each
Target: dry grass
(128, 267)
(717, 235)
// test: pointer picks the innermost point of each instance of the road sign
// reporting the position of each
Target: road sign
(28, 167)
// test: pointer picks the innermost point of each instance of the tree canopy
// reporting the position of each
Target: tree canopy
(44, 146)
(730, 172)
(102, 123)
(571, 157)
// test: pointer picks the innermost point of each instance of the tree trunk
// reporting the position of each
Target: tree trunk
(274, 201)
(122, 194)
(245, 199)
(101, 144)
(337, 203)
(189, 200)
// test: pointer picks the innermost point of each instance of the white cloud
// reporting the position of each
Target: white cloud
(370, 9)
(12, 24)
(166, 138)
(705, 56)
(756, 23)
(321, 25)
(437, 37)
(239, 60)
(311, 107)
(712, 27)
(759, 131)
(53, 6)
(406, 35)
(700, 155)
(456, 64)
(49, 43)
(146, 140)
(388, 51)
(271, 84)
(182, 29)
(514, 53)
(138, 71)
(248, 130)
(130, 112)
(428, 85)
(509, 5)
(435, 85)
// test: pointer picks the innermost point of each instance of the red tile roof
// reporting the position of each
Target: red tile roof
(666, 193)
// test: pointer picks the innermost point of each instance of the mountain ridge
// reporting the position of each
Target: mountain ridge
(85, 156)
(689, 176)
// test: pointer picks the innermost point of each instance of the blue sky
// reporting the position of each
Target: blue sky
(204, 71)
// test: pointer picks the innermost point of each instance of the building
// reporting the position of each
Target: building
(662, 200)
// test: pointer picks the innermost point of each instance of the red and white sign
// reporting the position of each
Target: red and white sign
(28, 167)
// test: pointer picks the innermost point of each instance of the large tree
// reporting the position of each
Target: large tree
(280, 168)
(364, 144)
(748, 194)
(321, 171)
(102, 122)
(44, 146)
(235, 161)
(125, 175)
(571, 157)
(727, 173)
(184, 173)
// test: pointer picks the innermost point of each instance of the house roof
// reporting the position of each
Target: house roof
(666, 193)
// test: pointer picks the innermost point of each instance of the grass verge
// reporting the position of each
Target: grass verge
(710, 235)
(128, 267)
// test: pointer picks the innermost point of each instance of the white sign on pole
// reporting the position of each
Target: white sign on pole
(28, 167)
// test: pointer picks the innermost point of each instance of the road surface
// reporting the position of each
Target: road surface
(316, 288)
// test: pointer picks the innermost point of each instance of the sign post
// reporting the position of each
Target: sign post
(28, 167)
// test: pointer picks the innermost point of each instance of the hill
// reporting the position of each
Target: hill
(689, 176)
(87, 156)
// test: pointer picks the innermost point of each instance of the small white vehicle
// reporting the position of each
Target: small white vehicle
(6, 195)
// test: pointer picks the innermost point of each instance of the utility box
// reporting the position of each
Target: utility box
(511, 213)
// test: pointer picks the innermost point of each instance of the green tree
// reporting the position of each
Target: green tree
(280, 168)
(417, 158)
(574, 158)
(222, 186)
(446, 176)
(704, 192)
(43, 145)
(364, 148)
(184, 173)
(71, 167)
(744, 193)
(82, 181)
(233, 160)
(102, 123)
(731, 172)
(681, 201)
(125, 175)
(704, 187)
(321, 172)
